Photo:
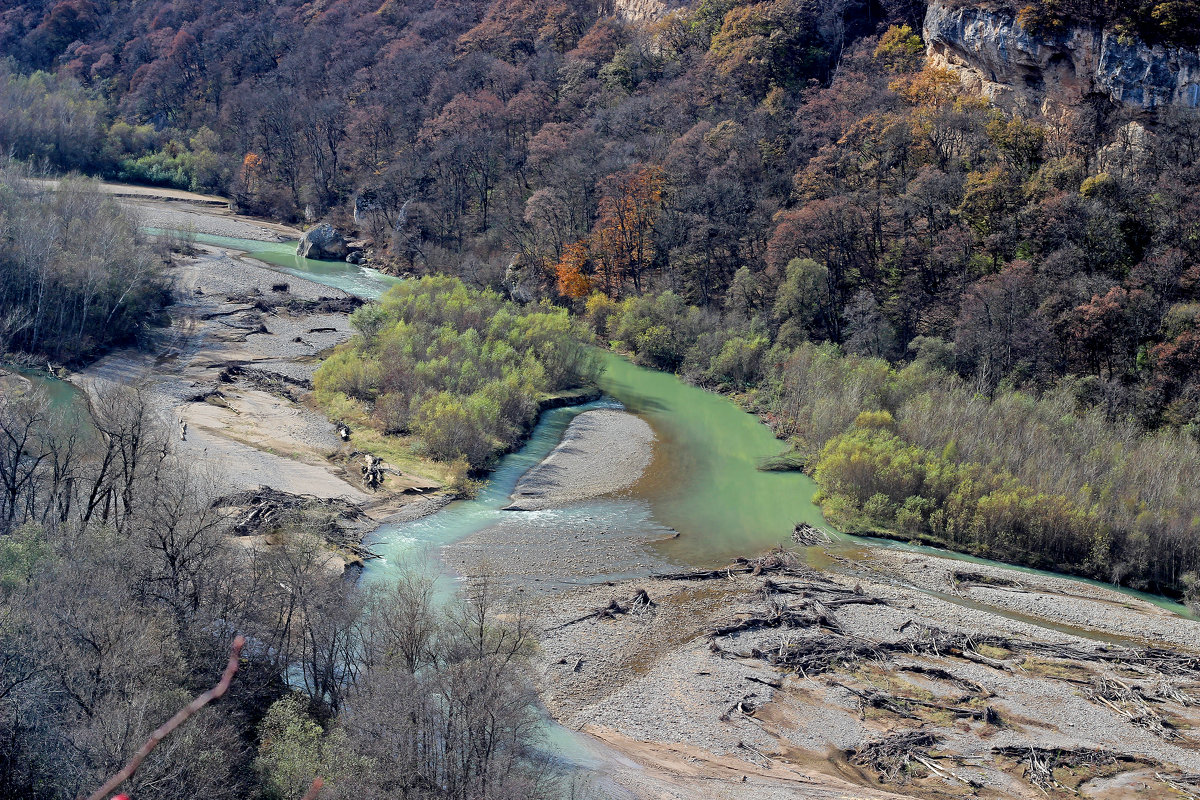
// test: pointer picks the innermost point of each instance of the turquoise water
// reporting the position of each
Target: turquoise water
(364, 282)
(399, 544)
(61, 394)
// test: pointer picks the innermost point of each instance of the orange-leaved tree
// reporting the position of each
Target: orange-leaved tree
(622, 240)
(570, 270)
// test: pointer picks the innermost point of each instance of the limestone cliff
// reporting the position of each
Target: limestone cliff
(644, 10)
(994, 55)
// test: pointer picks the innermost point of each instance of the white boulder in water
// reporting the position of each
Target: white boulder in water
(323, 243)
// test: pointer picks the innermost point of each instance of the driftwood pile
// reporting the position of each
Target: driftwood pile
(265, 507)
(901, 706)
(274, 383)
(255, 300)
(640, 602)
(807, 535)
(962, 578)
(892, 757)
(1041, 762)
(1134, 703)
(1187, 784)
(777, 561)
(264, 510)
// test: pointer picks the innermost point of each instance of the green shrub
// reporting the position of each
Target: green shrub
(463, 370)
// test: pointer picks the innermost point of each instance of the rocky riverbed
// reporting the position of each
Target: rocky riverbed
(602, 451)
(802, 678)
(236, 366)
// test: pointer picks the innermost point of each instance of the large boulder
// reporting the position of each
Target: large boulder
(323, 243)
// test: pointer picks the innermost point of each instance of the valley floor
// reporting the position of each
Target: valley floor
(236, 365)
(765, 679)
(843, 672)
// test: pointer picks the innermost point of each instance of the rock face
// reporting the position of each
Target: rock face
(995, 56)
(323, 243)
(644, 10)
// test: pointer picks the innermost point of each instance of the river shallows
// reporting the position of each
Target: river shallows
(361, 281)
(704, 480)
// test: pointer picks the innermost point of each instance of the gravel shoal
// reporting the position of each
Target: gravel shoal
(602, 451)
(250, 437)
(204, 219)
(1060, 601)
(649, 676)
(536, 550)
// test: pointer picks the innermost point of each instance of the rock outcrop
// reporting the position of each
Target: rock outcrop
(644, 10)
(994, 55)
(323, 243)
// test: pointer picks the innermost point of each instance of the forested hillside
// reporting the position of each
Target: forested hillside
(560, 150)
(713, 190)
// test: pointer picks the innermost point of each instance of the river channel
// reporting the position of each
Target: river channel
(703, 483)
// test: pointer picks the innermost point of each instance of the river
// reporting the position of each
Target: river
(703, 482)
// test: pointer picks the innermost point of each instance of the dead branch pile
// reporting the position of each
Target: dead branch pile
(1041, 762)
(638, 603)
(1186, 783)
(264, 509)
(1157, 659)
(939, 642)
(295, 305)
(811, 655)
(891, 756)
(944, 675)
(1132, 702)
(271, 382)
(809, 614)
(777, 561)
(900, 705)
(980, 579)
(372, 471)
(842, 595)
(807, 535)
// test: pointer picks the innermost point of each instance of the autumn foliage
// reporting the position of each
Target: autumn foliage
(620, 250)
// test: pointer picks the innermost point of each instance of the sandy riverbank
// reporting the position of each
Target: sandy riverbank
(687, 705)
(237, 361)
(602, 452)
(188, 218)
(175, 209)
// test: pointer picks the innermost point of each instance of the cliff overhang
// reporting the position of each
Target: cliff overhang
(993, 54)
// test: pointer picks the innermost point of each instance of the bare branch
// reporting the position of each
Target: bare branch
(181, 716)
